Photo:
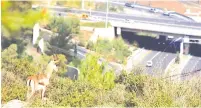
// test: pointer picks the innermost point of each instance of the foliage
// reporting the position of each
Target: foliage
(75, 62)
(72, 4)
(11, 51)
(95, 24)
(121, 49)
(65, 27)
(118, 48)
(64, 92)
(101, 6)
(62, 63)
(20, 66)
(116, 95)
(92, 72)
(17, 15)
(113, 8)
(13, 87)
(77, 4)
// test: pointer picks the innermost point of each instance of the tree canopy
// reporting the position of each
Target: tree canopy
(19, 14)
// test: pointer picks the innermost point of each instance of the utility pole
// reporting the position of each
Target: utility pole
(106, 16)
(82, 4)
(90, 8)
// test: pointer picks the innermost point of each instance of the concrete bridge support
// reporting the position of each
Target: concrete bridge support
(184, 46)
(117, 31)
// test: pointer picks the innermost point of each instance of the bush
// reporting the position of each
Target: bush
(92, 72)
(13, 87)
(62, 64)
(64, 27)
(64, 92)
(19, 66)
(118, 48)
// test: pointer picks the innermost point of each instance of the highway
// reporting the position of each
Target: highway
(64, 12)
(160, 61)
(192, 68)
(146, 9)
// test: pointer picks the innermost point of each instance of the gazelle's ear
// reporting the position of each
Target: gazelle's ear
(56, 57)
(53, 57)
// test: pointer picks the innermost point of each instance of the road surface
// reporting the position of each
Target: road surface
(146, 9)
(192, 68)
(160, 61)
(64, 12)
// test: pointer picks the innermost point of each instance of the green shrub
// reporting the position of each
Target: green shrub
(92, 72)
(118, 48)
(90, 45)
(62, 64)
(20, 66)
(64, 92)
(13, 87)
(75, 62)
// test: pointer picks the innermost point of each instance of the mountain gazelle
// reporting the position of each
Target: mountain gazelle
(40, 81)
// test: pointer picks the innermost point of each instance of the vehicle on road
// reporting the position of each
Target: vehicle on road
(155, 10)
(168, 13)
(149, 64)
(128, 4)
(132, 5)
(84, 16)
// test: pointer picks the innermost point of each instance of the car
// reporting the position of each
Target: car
(168, 13)
(149, 64)
(128, 4)
(133, 5)
(153, 10)
(156, 10)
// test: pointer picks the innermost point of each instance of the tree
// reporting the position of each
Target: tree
(65, 27)
(92, 72)
(18, 19)
(17, 15)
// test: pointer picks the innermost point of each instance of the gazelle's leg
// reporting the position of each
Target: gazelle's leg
(32, 89)
(43, 92)
(28, 92)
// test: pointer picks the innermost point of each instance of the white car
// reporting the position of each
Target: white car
(149, 63)
(133, 5)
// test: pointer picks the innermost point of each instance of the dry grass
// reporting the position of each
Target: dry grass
(83, 37)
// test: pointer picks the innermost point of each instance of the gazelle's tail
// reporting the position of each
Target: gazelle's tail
(28, 82)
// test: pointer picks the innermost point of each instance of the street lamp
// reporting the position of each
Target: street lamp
(106, 16)
(82, 4)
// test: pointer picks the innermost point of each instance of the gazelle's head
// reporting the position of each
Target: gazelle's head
(54, 62)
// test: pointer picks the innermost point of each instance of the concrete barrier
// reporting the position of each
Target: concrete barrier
(72, 72)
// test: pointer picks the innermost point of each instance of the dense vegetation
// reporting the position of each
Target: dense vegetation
(119, 50)
(93, 88)
(65, 27)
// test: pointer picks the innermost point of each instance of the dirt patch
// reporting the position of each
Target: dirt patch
(83, 37)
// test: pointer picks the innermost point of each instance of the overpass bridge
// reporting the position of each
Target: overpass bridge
(186, 30)
(185, 33)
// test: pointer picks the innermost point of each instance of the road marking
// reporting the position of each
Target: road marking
(155, 56)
